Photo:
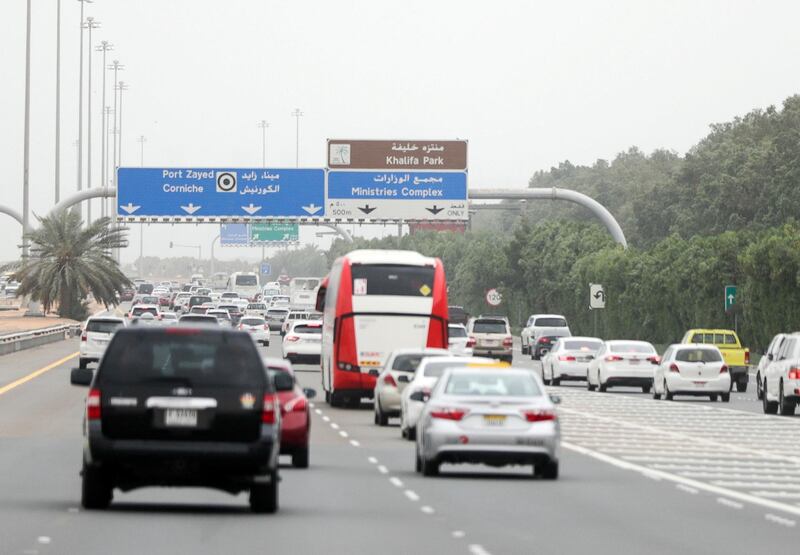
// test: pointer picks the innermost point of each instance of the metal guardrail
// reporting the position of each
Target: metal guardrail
(12, 342)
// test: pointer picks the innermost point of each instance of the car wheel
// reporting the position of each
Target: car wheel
(335, 399)
(600, 385)
(668, 395)
(429, 468)
(300, 457)
(646, 388)
(264, 497)
(547, 470)
(82, 363)
(556, 381)
(589, 384)
(96, 488)
(741, 386)
(411, 434)
(524, 350)
(770, 407)
(785, 406)
(656, 394)
(380, 418)
(725, 397)
(759, 392)
(712, 398)
(417, 461)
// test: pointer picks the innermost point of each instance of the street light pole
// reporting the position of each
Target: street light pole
(141, 140)
(108, 114)
(80, 108)
(90, 24)
(263, 125)
(58, 101)
(104, 47)
(122, 87)
(27, 148)
(297, 114)
(116, 66)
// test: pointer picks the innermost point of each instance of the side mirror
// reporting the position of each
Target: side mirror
(309, 393)
(81, 376)
(420, 396)
(403, 378)
(770, 357)
(555, 399)
(283, 381)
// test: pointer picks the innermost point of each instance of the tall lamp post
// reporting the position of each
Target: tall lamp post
(80, 107)
(104, 47)
(27, 138)
(263, 125)
(141, 140)
(297, 114)
(90, 24)
(123, 86)
(58, 102)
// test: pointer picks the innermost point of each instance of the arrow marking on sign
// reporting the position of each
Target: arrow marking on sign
(600, 294)
(731, 298)
(191, 208)
(312, 208)
(251, 209)
(367, 208)
(130, 208)
(435, 210)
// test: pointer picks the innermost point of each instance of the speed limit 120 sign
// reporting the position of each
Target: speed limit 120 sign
(494, 297)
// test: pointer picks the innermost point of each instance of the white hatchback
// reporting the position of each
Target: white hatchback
(569, 359)
(622, 363)
(459, 342)
(96, 336)
(257, 327)
(692, 369)
(303, 341)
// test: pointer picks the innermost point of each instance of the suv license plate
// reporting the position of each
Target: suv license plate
(185, 418)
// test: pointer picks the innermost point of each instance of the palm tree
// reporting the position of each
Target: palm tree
(68, 262)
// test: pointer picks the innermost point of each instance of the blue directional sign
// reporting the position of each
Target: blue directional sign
(404, 195)
(193, 193)
(234, 235)
(266, 269)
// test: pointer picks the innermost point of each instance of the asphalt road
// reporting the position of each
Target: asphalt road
(638, 476)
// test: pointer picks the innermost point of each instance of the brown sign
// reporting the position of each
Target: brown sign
(397, 155)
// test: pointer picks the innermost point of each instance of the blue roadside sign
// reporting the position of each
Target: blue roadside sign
(234, 235)
(193, 193)
(266, 269)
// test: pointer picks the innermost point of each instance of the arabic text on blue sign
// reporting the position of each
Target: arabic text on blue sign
(234, 234)
(220, 192)
(397, 185)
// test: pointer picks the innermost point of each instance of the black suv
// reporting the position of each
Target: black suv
(180, 407)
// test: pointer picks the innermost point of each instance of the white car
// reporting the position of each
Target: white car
(140, 309)
(256, 309)
(622, 363)
(279, 300)
(692, 369)
(220, 314)
(429, 370)
(781, 382)
(276, 316)
(397, 373)
(569, 359)
(542, 324)
(95, 337)
(257, 326)
(459, 342)
(169, 318)
(769, 355)
(303, 342)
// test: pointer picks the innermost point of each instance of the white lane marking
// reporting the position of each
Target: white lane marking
(728, 503)
(342, 433)
(372, 460)
(458, 534)
(383, 470)
(427, 510)
(355, 443)
(774, 505)
(311, 405)
(687, 489)
(779, 520)
(396, 482)
(412, 495)
(73, 510)
(334, 425)
(477, 549)
(318, 411)
(326, 418)
(43, 540)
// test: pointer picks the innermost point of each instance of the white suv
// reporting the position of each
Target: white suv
(95, 337)
(780, 386)
(541, 324)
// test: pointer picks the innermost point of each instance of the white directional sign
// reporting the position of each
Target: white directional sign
(494, 297)
(597, 296)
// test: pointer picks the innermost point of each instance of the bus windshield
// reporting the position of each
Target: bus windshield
(246, 279)
(385, 279)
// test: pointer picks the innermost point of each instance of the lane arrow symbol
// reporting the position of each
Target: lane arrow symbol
(600, 294)
(435, 210)
(367, 208)
(130, 208)
(312, 208)
(251, 209)
(191, 208)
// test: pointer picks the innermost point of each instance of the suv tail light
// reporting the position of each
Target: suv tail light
(508, 342)
(613, 358)
(448, 413)
(539, 415)
(723, 370)
(747, 357)
(271, 407)
(566, 358)
(292, 338)
(674, 368)
(83, 336)
(266, 327)
(794, 373)
(544, 340)
(93, 411)
(471, 342)
(389, 380)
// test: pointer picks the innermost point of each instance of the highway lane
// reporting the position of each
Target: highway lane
(362, 495)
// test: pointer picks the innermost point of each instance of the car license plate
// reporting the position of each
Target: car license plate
(185, 418)
(634, 361)
(494, 419)
(490, 343)
(530, 441)
(699, 383)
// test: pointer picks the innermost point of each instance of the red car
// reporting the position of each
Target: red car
(295, 411)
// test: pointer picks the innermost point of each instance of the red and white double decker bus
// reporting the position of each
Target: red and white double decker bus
(373, 302)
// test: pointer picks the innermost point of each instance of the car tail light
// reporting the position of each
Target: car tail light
(93, 411)
(508, 342)
(544, 340)
(723, 370)
(83, 336)
(539, 415)
(613, 358)
(292, 338)
(266, 327)
(448, 413)
(747, 357)
(654, 359)
(271, 407)
(471, 342)
(241, 326)
(674, 368)
(566, 358)
(389, 380)
(794, 373)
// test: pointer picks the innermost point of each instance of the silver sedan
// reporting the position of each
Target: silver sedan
(496, 416)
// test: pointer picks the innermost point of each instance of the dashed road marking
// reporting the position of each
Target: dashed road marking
(326, 418)
(396, 482)
(44, 540)
(383, 470)
(728, 503)
(334, 425)
(780, 520)
(428, 510)
(412, 495)
(372, 460)
(687, 489)
(355, 443)
(458, 534)
(477, 549)
(318, 411)
(343, 433)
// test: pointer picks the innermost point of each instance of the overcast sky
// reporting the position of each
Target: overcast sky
(529, 84)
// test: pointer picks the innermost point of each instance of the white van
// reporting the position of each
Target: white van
(244, 283)
(303, 292)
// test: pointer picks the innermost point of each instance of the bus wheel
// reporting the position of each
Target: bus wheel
(335, 399)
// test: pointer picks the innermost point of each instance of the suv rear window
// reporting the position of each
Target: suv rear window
(138, 311)
(316, 330)
(103, 326)
(550, 323)
(389, 279)
(194, 359)
(489, 326)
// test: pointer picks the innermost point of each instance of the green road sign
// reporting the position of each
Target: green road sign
(730, 297)
(271, 232)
